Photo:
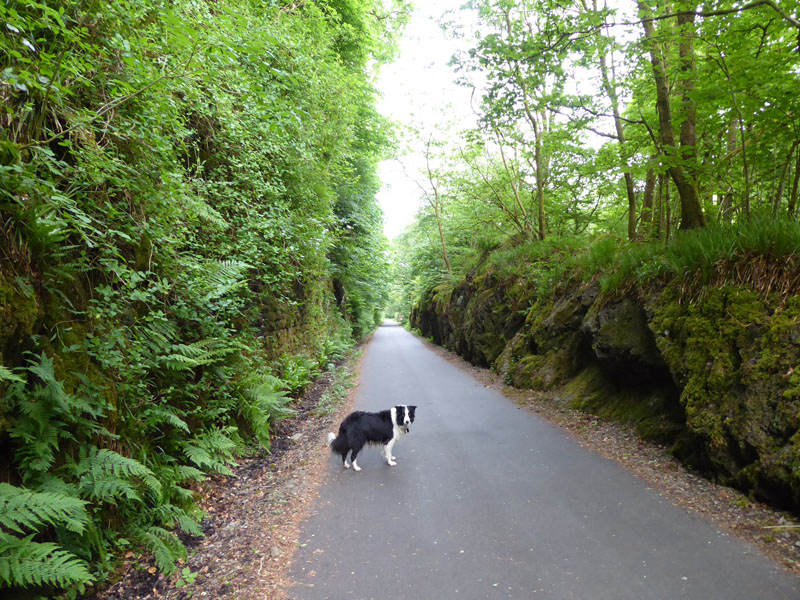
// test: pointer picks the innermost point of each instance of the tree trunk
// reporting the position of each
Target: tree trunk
(609, 86)
(662, 183)
(537, 132)
(776, 206)
(795, 184)
(691, 209)
(646, 223)
(668, 204)
(526, 226)
(437, 208)
(726, 207)
(539, 185)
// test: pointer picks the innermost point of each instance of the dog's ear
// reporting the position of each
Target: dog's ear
(411, 410)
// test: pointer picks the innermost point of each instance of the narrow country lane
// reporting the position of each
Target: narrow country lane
(489, 501)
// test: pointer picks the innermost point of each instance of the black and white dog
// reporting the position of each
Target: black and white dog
(382, 428)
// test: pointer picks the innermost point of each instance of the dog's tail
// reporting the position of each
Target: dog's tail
(338, 445)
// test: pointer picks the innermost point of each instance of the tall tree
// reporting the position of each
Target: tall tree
(680, 158)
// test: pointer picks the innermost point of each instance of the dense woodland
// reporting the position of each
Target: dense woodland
(189, 233)
(633, 119)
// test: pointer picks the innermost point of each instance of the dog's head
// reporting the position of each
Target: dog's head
(405, 416)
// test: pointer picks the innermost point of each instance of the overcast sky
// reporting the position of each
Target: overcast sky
(418, 90)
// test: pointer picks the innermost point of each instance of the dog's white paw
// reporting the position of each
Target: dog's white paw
(392, 463)
(346, 465)
(356, 467)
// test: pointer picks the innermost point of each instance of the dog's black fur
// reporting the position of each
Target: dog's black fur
(379, 428)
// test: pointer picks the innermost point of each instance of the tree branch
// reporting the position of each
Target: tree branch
(718, 13)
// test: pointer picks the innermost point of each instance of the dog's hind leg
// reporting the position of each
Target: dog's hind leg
(356, 450)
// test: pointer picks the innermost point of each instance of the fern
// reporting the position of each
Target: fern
(187, 473)
(22, 509)
(159, 414)
(262, 402)
(204, 352)
(334, 350)
(24, 562)
(172, 516)
(8, 375)
(38, 430)
(196, 206)
(213, 450)
(47, 415)
(215, 279)
(106, 475)
(165, 546)
(297, 372)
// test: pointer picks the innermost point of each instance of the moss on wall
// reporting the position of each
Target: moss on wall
(732, 352)
(713, 375)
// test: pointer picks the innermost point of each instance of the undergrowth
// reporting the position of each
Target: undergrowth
(762, 252)
(343, 377)
(188, 236)
(706, 255)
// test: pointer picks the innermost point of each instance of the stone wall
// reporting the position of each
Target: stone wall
(711, 373)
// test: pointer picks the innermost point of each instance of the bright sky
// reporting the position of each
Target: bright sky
(418, 91)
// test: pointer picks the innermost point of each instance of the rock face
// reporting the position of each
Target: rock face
(622, 344)
(712, 375)
(476, 321)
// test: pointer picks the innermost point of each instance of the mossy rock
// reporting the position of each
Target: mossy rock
(733, 354)
(653, 411)
(542, 371)
(622, 342)
(19, 309)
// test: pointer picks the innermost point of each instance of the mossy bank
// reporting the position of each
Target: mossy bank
(707, 368)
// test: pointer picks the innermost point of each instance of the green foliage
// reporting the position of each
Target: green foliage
(296, 372)
(336, 393)
(164, 545)
(262, 401)
(187, 577)
(22, 509)
(25, 562)
(187, 196)
(703, 250)
(761, 253)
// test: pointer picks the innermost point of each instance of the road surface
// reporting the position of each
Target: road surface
(489, 501)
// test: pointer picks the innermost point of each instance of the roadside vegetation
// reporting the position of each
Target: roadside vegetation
(189, 236)
(605, 134)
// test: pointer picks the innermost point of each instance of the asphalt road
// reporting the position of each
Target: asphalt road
(489, 501)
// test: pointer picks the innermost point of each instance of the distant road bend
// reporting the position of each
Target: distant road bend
(489, 501)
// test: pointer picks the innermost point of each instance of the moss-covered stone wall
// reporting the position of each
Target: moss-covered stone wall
(711, 373)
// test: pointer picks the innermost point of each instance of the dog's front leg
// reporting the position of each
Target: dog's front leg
(387, 452)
